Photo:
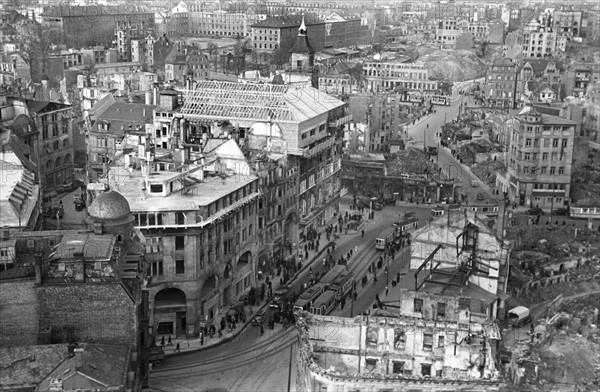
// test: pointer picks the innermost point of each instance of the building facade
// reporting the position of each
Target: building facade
(540, 155)
(500, 84)
(424, 348)
(83, 26)
(389, 75)
(53, 148)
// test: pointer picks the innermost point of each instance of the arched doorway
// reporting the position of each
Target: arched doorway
(170, 312)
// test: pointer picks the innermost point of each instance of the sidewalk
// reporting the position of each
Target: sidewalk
(195, 344)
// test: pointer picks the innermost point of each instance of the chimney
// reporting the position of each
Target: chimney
(144, 112)
(78, 267)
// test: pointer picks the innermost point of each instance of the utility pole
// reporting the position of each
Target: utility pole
(289, 386)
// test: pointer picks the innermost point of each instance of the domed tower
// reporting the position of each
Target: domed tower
(109, 213)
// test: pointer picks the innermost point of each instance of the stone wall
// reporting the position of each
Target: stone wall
(89, 312)
(18, 313)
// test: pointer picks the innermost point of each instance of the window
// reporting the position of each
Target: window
(179, 243)
(179, 266)
(156, 188)
(426, 369)
(372, 335)
(528, 141)
(370, 364)
(427, 341)
(441, 309)
(179, 218)
(399, 339)
(552, 170)
(441, 341)
(561, 170)
(418, 305)
(397, 367)
(157, 268)
(554, 142)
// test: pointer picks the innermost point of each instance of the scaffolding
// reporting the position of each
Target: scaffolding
(252, 102)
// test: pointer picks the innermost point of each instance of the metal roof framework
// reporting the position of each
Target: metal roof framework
(239, 101)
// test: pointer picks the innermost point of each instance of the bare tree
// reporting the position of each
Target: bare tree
(36, 49)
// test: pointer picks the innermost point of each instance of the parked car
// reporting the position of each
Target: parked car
(473, 183)
(480, 196)
(535, 211)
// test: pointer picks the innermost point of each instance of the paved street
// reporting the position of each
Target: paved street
(430, 128)
(252, 362)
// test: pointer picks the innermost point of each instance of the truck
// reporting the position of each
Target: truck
(156, 356)
(519, 316)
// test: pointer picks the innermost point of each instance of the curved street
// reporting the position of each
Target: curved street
(252, 362)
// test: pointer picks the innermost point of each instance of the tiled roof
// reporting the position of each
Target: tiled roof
(122, 116)
(98, 366)
(44, 106)
(17, 370)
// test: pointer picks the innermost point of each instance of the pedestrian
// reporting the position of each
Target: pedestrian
(169, 343)
(177, 349)
(162, 342)
(362, 233)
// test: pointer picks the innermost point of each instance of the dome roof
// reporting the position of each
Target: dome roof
(110, 206)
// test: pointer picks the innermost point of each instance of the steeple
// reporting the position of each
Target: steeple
(302, 45)
(302, 29)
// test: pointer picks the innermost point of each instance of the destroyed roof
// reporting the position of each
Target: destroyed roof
(216, 100)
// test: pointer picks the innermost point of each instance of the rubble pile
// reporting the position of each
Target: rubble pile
(561, 352)
(409, 161)
(486, 171)
(451, 65)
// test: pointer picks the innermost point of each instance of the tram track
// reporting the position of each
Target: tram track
(277, 336)
(219, 368)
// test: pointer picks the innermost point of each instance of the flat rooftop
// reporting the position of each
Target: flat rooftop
(206, 191)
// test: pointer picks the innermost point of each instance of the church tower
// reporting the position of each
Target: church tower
(303, 55)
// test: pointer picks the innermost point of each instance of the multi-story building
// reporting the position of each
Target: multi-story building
(281, 33)
(196, 206)
(449, 30)
(567, 22)
(539, 160)
(539, 43)
(178, 20)
(538, 71)
(306, 126)
(500, 84)
(216, 22)
(52, 144)
(83, 26)
(580, 77)
(426, 346)
(186, 64)
(389, 75)
(115, 125)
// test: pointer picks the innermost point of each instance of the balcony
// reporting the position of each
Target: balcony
(328, 143)
(340, 121)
